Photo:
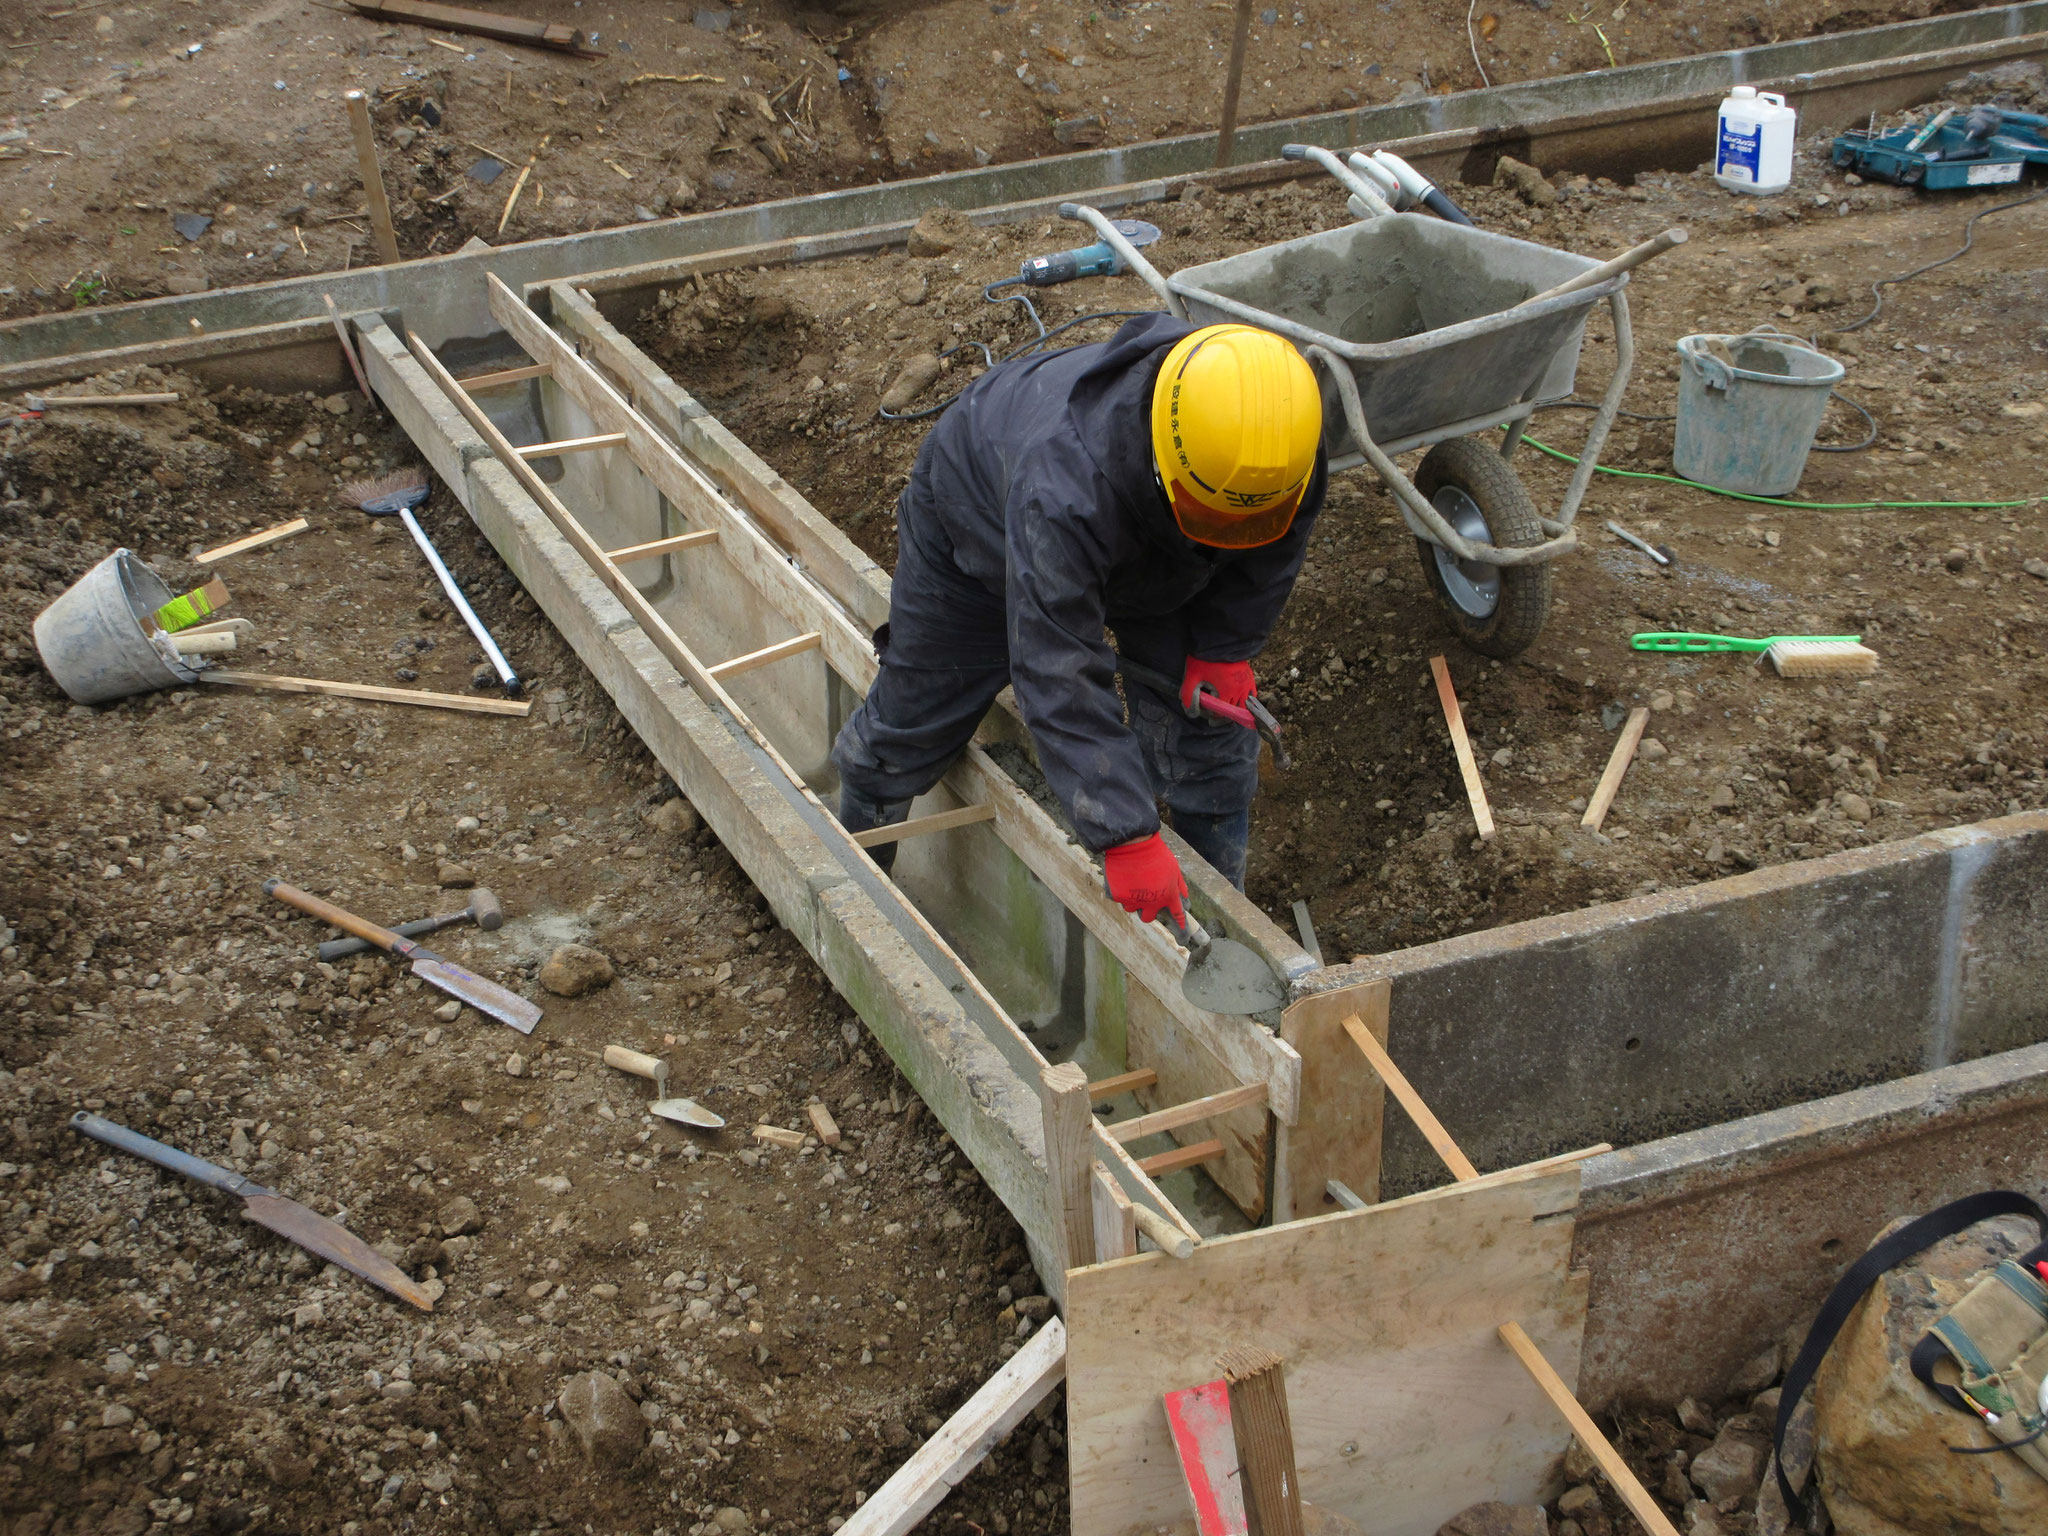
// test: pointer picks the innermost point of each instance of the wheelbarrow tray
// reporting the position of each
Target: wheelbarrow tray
(1423, 312)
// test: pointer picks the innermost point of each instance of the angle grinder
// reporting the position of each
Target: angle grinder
(1097, 260)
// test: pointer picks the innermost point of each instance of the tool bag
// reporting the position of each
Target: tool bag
(1996, 1336)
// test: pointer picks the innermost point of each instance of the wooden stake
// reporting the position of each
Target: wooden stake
(373, 177)
(938, 821)
(1404, 1091)
(1604, 1455)
(1617, 768)
(275, 683)
(348, 347)
(252, 541)
(1257, 1382)
(1462, 745)
(1070, 1164)
(1181, 1157)
(651, 549)
(1158, 1120)
(1226, 136)
(956, 1450)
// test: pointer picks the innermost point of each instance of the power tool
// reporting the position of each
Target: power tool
(1988, 148)
(1097, 260)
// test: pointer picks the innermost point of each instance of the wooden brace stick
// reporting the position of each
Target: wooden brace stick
(938, 821)
(1632, 1492)
(1158, 1120)
(506, 376)
(1617, 767)
(274, 683)
(650, 550)
(252, 541)
(1462, 745)
(1404, 1091)
(373, 177)
(956, 1450)
(348, 347)
(1123, 1082)
(795, 646)
(1181, 1157)
(572, 445)
(1166, 1237)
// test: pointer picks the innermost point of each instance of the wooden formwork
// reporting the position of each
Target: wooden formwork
(731, 624)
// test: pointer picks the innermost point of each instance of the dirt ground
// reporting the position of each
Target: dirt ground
(789, 1323)
(1740, 768)
(165, 146)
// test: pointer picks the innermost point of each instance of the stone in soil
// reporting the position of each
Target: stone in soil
(574, 969)
(605, 1421)
(1497, 1519)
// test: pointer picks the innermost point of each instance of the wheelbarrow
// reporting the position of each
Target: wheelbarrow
(1425, 332)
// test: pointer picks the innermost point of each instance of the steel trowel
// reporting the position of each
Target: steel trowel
(682, 1111)
(1224, 976)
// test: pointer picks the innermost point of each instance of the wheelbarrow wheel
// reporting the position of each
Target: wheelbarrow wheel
(1496, 610)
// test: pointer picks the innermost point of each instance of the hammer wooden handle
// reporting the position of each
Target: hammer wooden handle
(639, 1063)
(328, 912)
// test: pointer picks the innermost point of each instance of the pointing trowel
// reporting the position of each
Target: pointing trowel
(1223, 975)
(682, 1111)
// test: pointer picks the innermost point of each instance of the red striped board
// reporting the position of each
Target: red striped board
(1198, 1418)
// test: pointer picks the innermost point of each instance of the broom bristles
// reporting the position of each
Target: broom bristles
(1822, 658)
(400, 482)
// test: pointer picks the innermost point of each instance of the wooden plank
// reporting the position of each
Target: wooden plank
(1189, 1069)
(1259, 1425)
(654, 547)
(1069, 1163)
(573, 445)
(274, 683)
(938, 821)
(51, 402)
(1402, 1412)
(1116, 1222)
(1462, 745)
(1339, 1131)
(1181, 1157)
(1123, 1082)
(1617, 767)
(1404, 1092)
(1215, 1104)
(1198, 1422)
(251, 541)
(505, 376)
(1249, 1053)
(1633, 1493)
(796, 645)
(458, 18)
(934, 1469)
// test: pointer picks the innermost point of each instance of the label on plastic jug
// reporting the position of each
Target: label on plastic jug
(1739, 145)
(1993, 175)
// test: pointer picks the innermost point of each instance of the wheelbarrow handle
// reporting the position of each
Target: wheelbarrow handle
(1656, 245)
(1375, 203)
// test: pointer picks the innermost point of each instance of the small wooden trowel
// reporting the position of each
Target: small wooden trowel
(653, 1068)
(309, 1229)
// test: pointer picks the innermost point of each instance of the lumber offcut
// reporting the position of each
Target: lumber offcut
(1454, 719)
(456, 18)
(1265, 1441)
(277, 683)
(1617, 768)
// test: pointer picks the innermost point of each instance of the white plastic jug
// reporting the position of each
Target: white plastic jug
(1753, 144)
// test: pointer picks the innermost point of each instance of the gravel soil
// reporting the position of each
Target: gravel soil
(783, 1324)
(1740, 768)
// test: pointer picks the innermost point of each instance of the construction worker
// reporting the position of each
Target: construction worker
(1160, 485)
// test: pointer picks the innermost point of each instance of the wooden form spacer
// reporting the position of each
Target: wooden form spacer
(794, 646)
(938, 821)
(506, 376)
(1123, 1082)
(654, 547)
(1186, 1114)
(572, 445)
(1181, 1157)
(277, 683)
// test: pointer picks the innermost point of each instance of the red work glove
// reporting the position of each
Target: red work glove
(1144, 877)
(1230, 681)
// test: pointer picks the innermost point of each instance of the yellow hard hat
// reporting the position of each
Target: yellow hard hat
(1236, 416)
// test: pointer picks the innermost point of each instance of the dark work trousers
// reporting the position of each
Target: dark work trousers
(945, 656)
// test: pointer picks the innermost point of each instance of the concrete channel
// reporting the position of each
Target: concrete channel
(1783, 1059)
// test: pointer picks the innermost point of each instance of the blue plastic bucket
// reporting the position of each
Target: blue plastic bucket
(1748, 427)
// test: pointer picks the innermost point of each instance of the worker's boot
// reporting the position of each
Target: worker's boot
(857, 813)
(1219, 839)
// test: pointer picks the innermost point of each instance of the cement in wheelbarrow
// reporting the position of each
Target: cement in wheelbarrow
(1419, 309)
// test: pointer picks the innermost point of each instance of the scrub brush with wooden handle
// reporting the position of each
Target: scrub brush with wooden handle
(1790, 655)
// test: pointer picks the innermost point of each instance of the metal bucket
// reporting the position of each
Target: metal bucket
(100, 639)
(1749, 427)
